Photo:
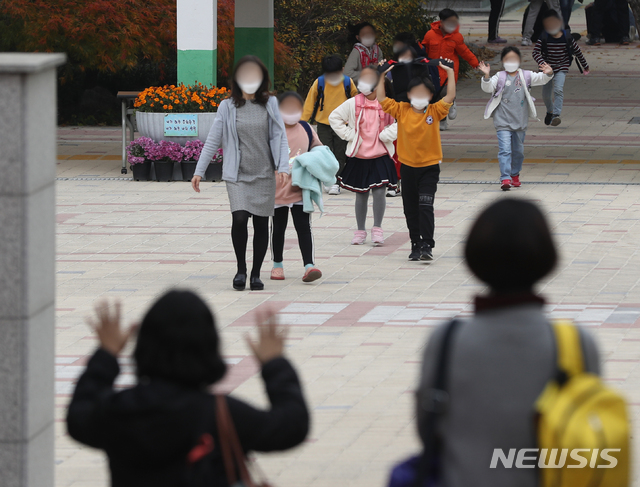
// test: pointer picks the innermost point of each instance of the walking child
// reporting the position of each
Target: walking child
(370, 133)
(511, 106)
(420, 154)
(302, 138)
(557, 48)
(365, 51)
(328, 92)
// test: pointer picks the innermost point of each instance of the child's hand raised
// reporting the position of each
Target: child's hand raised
(484, 68)
(447, 68)
(546, 69)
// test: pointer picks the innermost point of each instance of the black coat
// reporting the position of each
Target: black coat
(148, 430)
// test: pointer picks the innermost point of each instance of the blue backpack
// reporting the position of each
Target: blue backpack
(320, 97)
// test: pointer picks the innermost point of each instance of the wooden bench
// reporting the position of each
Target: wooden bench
(127, 98)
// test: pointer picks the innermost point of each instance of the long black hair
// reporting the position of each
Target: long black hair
(178, 342)
(263, 93)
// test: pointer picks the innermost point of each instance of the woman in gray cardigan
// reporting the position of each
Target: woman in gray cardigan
(253, 138)
(501, 359)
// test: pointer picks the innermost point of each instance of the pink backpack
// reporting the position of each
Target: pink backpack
(502, 81)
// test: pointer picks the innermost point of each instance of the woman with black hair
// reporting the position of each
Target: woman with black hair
(365, 51)
(500, 360)
(163, 431)
(254, 142)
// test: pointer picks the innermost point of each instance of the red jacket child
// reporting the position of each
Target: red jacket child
(440, 44)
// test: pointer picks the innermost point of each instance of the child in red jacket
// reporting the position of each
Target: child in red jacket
(444, 41)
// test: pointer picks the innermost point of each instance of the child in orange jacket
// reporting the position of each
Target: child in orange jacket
(444, 41)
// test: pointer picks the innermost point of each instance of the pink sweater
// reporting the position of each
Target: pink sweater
(298, 144)
(371, 146)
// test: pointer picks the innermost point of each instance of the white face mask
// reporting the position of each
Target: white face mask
(553, 32)
(511, 67)
(405, 60)
(365, 87)
(249, 88)
(368, 41)
(291, 118)
(334, 80)
(420, 103)
(449, 28)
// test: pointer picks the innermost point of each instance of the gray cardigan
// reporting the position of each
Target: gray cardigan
(223, 133)
(500, 361)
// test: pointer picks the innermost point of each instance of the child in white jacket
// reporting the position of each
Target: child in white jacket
(369, 133)
(511, 105)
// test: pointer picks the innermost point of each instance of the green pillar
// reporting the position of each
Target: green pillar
(254, 31)
(197, 23)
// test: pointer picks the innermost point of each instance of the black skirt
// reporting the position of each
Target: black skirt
(362, 175)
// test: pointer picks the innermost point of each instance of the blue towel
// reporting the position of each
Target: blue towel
(310, 170)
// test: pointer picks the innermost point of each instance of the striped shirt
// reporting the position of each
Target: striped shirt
(558, 56)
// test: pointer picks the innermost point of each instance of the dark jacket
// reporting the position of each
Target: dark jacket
(402, 74)
(148, 430)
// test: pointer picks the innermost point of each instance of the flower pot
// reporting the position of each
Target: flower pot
(152, 125)
(188, 168)
(213, 172)
(142, 171)
(164, 171)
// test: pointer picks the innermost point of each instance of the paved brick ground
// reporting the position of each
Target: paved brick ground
(356, 335)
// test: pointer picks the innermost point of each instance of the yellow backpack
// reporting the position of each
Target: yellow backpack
(580, 420)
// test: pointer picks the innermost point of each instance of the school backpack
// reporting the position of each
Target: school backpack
(578, 411)
(320, 96)
(544, 48)
(307, 128)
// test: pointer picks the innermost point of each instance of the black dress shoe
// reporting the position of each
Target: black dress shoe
(256, 284)
(240, 281)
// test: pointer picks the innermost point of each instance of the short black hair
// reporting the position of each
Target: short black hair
(420, 80)
(405, 50)
(332, 63)
(405, 37)
(178, 342)
(288, 94)
(354, 30)
(550, 13)
(508, 231)
(446, 13)
(509, 49)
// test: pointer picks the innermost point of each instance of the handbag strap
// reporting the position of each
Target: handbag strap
(232, 453)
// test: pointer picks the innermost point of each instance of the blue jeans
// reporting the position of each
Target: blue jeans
(553, 93)
(566, 6)
(510, 153)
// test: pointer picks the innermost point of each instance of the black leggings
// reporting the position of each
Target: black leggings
(302, 222)
(497, 7)
(240, 235)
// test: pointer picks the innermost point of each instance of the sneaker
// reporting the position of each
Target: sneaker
(625, 41)
(526, 42)
(444, 124)
(555, 121)
(453, 111)
(576, 36)
(505, 184)
(392, 193)
(515, 181)
(359, 237)
(425, 252)
(594, 41)
(277, 274)
(497, 40)
(415, 251)
(377, 236)
(547, 118)
(335, 189)
(311, 274)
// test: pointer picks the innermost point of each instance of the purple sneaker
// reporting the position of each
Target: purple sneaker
(497, 40)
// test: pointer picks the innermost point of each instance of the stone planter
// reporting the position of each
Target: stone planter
(152, 125)
(141, 172)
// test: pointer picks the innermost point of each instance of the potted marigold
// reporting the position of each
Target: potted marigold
(198, 101)
(138, 155)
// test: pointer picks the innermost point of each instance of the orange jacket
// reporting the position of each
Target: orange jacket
(439, 44)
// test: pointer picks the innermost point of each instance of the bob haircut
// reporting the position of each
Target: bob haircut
(262, 95)
(509, 49)
(510, 230)
(426, 82)
(288, 94)
(178, 342)
(355, 29)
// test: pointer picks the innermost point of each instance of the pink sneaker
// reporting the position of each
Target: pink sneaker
(277, 274)
(377, 236)
(359, 236)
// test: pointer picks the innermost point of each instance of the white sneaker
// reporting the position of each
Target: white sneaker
(526, 42)
(335, 189)
(391, 193)
(453, 111)
(444, 124)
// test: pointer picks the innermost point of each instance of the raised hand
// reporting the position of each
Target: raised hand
(271, 337)
(484, 68)
(546, 69)
(106, 324)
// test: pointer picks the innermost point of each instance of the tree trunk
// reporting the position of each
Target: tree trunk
(635, 8)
